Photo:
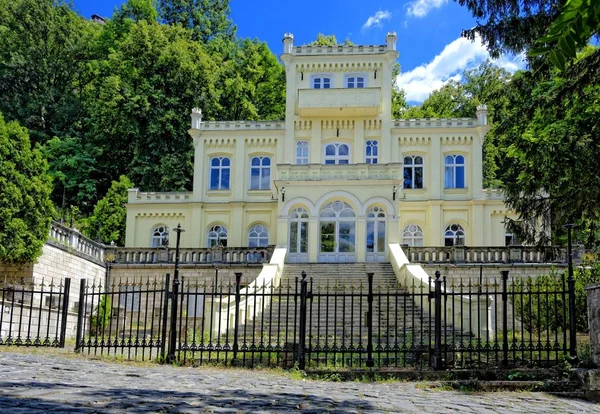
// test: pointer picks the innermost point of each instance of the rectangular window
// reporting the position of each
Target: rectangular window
(371, 152)
(260, 173)
(413, 172)
(454, 171)
(219, 173)
(302, 152)
(355, 81)
(321, 82)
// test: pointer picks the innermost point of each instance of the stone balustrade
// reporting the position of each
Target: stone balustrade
(338, 49)
(136, 196)
(240, 125)
(320, 172)
(500, 254)
(72, 240)
(157, 255)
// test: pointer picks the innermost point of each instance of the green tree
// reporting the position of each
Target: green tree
(44, 50)
(110, 215)
(25, 206)
(209, 19)
(324, 40)
(137, 10)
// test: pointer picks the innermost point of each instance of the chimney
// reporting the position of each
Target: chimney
(391, 39)
(288, 42)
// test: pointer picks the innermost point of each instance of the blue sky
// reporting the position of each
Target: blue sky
(431, 50)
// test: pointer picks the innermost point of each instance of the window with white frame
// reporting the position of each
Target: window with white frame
(356, 81)
(160, 236)
(371, 151)
(337, 154)
(216, 236)
(454, 171)
(322, 82)
(454, 235)
(302, 152)
(220, 173)
(412, 235)
(260, 173)
(376, 230)
(413, 171)
(258, 236)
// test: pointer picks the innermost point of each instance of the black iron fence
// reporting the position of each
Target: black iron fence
(330, 323)
(34, 314)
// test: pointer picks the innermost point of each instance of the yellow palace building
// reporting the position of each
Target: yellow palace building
(338, 180)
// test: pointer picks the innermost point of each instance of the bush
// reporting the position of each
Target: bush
(101, 316)
(540, 305)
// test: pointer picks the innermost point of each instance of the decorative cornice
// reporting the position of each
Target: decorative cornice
(456, 140)
(160, 214)
(339, 67)
(261, 142)
(373, 124)
(435, 123)
(339, 49)
(415, 140)
(302, 125)
(219, 143)
(338, 124)
(241, 125)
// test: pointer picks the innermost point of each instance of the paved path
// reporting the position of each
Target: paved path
(52, 383)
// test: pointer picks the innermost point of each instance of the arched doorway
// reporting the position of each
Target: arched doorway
(337, 233)
(375, 235)
(298, 236)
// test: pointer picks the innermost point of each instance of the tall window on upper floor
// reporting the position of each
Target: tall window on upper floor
(413, 171)
(454, 235)
(220, 172)
(454, 171)
(302, 152)
(371, 151)
(337, 154)
(260, 173)
(160, 236)
(258, 236)
(322, 82)
(356, 81)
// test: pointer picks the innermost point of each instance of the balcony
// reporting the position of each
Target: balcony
(339, 102)
(321, 172)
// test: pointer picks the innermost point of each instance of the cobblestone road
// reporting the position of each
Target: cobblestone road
(52, 383)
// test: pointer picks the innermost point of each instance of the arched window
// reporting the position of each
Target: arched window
(220, 169)
(454, 235)
(371, 152)
(260, 173)
(412, 235)
(413, 171)
(337, 154)
(216, 236)
(338, 228)
(375, 230)
(298, 231)
(258, 236)
(455, 171)
(355, 81)
(160, 236)
(302, 152)
(322, 82)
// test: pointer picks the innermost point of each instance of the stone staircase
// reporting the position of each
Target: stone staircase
(337, 311)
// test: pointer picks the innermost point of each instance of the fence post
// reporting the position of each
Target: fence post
(165, 314)
(572, 316)
(370, 361)
(437, 350)
(80, 315)
(504, 274)
(302, 327)
(173, 325)
(238, 288)
(64, 314)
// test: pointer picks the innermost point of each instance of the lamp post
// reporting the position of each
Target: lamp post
(571, 285)
(173, 331)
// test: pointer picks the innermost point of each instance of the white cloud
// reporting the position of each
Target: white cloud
(376, 19)
(420, 8)
(457, 56)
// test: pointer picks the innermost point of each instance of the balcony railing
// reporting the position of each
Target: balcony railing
(158, 255)
(509, 254)
(72, 240)
(320, 172)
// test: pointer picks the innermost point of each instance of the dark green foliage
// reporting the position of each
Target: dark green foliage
(108, 222)
(25, 206)
(101, 317)
(538, 314)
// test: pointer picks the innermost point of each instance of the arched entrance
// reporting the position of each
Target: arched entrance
(337, 233)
